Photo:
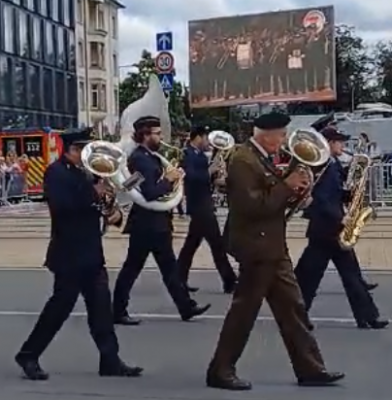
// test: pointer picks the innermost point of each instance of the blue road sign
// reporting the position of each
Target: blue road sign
(164, 41)
(167, 81)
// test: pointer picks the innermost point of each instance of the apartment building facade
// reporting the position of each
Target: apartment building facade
(38, 80)
(97, 63)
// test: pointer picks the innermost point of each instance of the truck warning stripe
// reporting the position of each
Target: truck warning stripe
(35, 172)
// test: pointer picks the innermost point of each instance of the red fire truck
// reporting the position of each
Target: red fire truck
(42, 146)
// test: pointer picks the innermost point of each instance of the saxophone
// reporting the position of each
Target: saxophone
(358, 211)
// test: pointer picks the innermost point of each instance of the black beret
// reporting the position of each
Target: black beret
(146, 122)
(272, 120)
(78, 137)
(331, 133)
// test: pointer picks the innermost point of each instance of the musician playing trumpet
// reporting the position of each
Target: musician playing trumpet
(256, 233)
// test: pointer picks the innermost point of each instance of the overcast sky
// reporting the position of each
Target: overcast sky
(141, 20)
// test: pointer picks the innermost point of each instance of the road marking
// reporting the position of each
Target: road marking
(152, 316)
(330, 270)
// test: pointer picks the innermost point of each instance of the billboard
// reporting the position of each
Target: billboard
(272, 57)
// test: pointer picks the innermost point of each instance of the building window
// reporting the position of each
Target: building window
(31, 5)
(48, 92)
(60, 92)
(67, 12)
(43, 9)
(100, 22)
(79, 12)
(97, 16)
(71, 51)
(102, 98)
(37, 39)
(72, 94)
(61, 59)
(55, 9)
(49, 48)
(5, 81)
(81, 55)
(82, 96)
(9, 44)
(35, 87)
(97, 55)
(23, 34)
(114, 27)
(95, 96)
(20, 84)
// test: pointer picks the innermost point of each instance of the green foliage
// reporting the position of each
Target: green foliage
(383, 63)
(136, 83)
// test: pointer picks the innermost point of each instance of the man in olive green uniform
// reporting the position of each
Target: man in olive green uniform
(256, 236)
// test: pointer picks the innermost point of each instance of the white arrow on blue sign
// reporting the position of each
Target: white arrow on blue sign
(167, 82)
(164, 41)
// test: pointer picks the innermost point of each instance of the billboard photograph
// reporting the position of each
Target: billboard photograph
(272, 57)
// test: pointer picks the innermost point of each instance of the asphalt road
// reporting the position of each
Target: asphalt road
(175, 354)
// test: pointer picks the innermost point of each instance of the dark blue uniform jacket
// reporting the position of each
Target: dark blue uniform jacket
(154, 186)
(326, 212)
(76, 239)
(198, 190)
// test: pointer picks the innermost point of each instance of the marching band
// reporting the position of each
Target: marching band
(90, 181)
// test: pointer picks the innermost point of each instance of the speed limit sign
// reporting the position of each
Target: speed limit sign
(164, 62)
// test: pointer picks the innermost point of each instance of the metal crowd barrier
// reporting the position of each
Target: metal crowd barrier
(13, 188)
(380, 185)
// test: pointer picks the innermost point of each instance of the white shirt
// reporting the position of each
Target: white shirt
(259, 148)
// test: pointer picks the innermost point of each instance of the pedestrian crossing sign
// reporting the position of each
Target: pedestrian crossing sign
(167, 82)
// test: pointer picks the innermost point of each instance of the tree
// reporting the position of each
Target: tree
(353, 68)
(383, 63)
(135, 85)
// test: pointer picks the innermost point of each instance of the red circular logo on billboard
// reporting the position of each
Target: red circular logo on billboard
(314, 18)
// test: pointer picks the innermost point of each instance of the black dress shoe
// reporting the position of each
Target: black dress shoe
(376, 324)
(194, 312)
(118, 368)
(321, 379)
(370, 286)
(191, 289)
(31, 368)
(229, 382)
(127, 320)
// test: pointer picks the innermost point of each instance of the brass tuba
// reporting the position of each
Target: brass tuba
(310, 154)
(358, 212)
(154, 103)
